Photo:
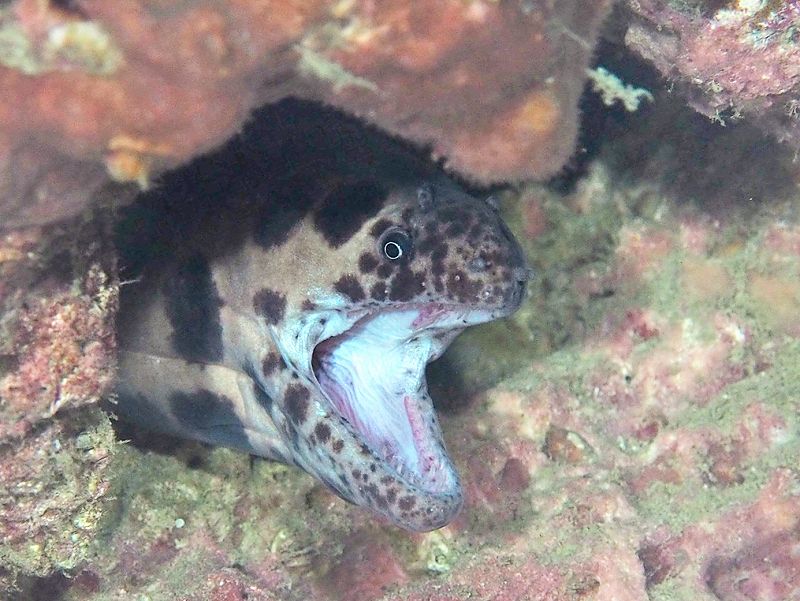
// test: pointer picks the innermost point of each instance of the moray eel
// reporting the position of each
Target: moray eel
(292, 288)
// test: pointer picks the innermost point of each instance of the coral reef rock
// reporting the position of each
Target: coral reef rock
(58, 300)
(732, 60)
(126, 89)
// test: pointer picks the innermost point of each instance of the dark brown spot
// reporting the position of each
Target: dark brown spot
(269, 304)
(378, 291)
(192, 305)
(385, 270)
(349, 286)
(337, 446)
(463, 288)
(204, 410)
(308, 305)
(367, 262)
(270, 364)
(296, 402)
(406, 503)
(323, 432)
(406, 285)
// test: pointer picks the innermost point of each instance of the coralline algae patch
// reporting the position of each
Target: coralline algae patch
(733, 61)
(57, 360)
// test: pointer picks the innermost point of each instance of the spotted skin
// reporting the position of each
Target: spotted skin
(292, 245)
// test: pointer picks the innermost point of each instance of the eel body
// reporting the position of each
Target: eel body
(291, 289)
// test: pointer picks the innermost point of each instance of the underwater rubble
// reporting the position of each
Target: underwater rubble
(631, 433)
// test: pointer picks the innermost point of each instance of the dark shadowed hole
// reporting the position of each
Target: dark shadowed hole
(598, 121)
(50, 588)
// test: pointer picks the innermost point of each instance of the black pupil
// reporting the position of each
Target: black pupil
(395, 245)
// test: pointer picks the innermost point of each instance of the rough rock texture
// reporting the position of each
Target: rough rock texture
(731, 60)
(53, 484)
(125, 89)
(647, 448)
(58, 300)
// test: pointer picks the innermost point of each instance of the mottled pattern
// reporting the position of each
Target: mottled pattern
(308, 253)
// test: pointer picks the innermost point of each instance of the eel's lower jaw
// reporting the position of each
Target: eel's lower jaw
(373, 375)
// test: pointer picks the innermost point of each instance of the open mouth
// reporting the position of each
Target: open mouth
(373, 374)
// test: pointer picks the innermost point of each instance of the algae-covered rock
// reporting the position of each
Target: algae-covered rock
(57, 355)
(52, 485)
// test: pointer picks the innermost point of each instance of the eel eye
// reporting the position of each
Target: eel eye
(395, 245)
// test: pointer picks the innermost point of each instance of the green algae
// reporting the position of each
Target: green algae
(314, 64)
(678, 505)
(70, 501)
(575, 242)
(155, 491)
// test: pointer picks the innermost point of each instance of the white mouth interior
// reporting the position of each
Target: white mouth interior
(374, 376)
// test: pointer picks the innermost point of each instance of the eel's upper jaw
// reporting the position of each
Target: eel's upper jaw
(373, 375)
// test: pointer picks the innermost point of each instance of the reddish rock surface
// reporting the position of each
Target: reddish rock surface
(58, 300)
(127, 89)
(732, 61)
(58, 303)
